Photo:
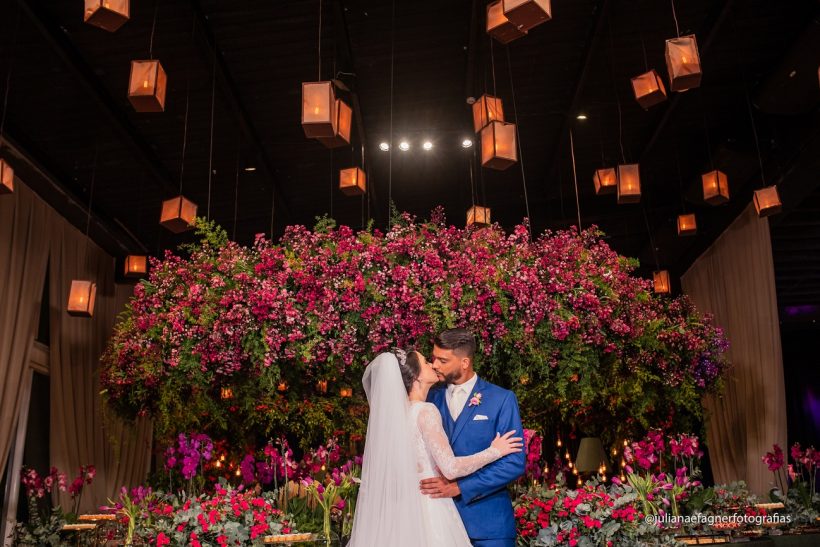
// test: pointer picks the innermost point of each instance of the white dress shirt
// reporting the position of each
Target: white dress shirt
(457, 396)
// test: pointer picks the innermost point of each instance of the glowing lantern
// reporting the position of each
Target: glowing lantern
(605, 180)
(81, 298)
(6, 178)
(767, 201)
(178, 214)
(478, 216)
(226, 393)
(146, 88)
(346, 392)
(629, 183)
(282, 387)
(485, 110)
(661, 282)
(526, 14)
(352, 181)
(318, 109)
(321, 386)
(715, 187)
(683, 63)
(687, 225)
(498, 145)
(109, 15)
(499, 27)
(344, 122)
(136, 265)
(648, 89)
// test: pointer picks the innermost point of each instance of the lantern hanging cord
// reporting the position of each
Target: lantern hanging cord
(651, 239)
(645, 59)
(472, 179)
(8, 75)
(492, 62)
(680, 181)
(518, 142)
(575, 179)
(236, 182)
(390, 150)
(153, 29)
(331, 182)
(320, 39)
(90, 201)
(272, 209)
(675, 16)
(754, 132)
(185, 132)
(706, 131)
(615, 92)
(211, 145)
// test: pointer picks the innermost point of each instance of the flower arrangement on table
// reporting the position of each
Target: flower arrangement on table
(273, 320)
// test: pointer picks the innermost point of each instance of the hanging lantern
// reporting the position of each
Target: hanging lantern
(318, 109)
(346, 392)
(146, 88)
(499, 27)
(108, 15)
(526, 14)
(321, 386)
(478, 216)
(715, 187)
(136, 265)
(767, 201)
(81, 298)
(282, 386)
(498, 145)
(605, 180)
(687, 225)
(178, 214)
(6, 178)
(629, 183)
(352, 181)
(661, 282)
(344, 122)
(683, 63)
(648, 89)
(485, 110)
(225, 393)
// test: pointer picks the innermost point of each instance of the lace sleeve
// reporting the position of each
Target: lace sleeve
(451, 466)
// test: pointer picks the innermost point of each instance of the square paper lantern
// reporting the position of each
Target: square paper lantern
(136, 265)
(605, 180)
(767, 201)
(318, 109)
(661, 282)
(109, 15)
(485, 110)
(498, 145)
(687, 225)
(178, 214)
(683, 63)
(715, 187)
(346, 392)
(478, 216)
(146, 89)
(352, 181)
(6, 178)
(648, 89)
(499, 27)
(526, 14)
(81, 298)
(344, 122)
(629, 183)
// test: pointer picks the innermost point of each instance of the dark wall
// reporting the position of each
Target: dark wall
(801, 368)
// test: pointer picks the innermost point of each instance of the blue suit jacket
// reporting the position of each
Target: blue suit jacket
(484, 504)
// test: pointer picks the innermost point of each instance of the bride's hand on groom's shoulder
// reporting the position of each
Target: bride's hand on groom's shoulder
(439, 487)
(507, 444)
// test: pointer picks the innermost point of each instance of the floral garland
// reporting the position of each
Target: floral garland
(560, 319)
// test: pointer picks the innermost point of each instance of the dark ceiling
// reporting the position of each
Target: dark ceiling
(68, 103)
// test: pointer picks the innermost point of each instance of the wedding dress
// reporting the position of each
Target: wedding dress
(406, 443)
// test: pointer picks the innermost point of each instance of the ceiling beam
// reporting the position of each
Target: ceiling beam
(231, 91)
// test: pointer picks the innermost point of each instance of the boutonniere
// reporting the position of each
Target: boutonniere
(476, 399)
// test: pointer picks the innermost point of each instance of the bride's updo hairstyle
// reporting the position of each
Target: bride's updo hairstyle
(409, 365)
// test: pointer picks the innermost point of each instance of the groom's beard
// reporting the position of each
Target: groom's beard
(447, 379)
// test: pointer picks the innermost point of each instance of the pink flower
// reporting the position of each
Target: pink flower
(476, 399)
(774, 460)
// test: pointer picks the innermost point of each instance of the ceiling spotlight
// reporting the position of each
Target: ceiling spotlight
(466, 143)
(250, 169)
(404, 146)
(384, 147)
(427, 145)
(581, 117)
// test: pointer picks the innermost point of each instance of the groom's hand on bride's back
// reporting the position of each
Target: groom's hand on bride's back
(439, 487)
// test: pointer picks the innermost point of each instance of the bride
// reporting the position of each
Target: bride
(405, 443)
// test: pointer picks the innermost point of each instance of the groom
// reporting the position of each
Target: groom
(472, 411)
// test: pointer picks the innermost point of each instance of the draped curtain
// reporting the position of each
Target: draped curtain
(734, 281)
(24, 246)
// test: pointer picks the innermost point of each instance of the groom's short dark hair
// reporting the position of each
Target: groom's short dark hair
(461, 341)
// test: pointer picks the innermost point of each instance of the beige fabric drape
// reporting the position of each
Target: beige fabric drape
(734, 280)
(80, 434)
(24, 220)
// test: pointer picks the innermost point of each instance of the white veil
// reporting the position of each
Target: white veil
(388, 509)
